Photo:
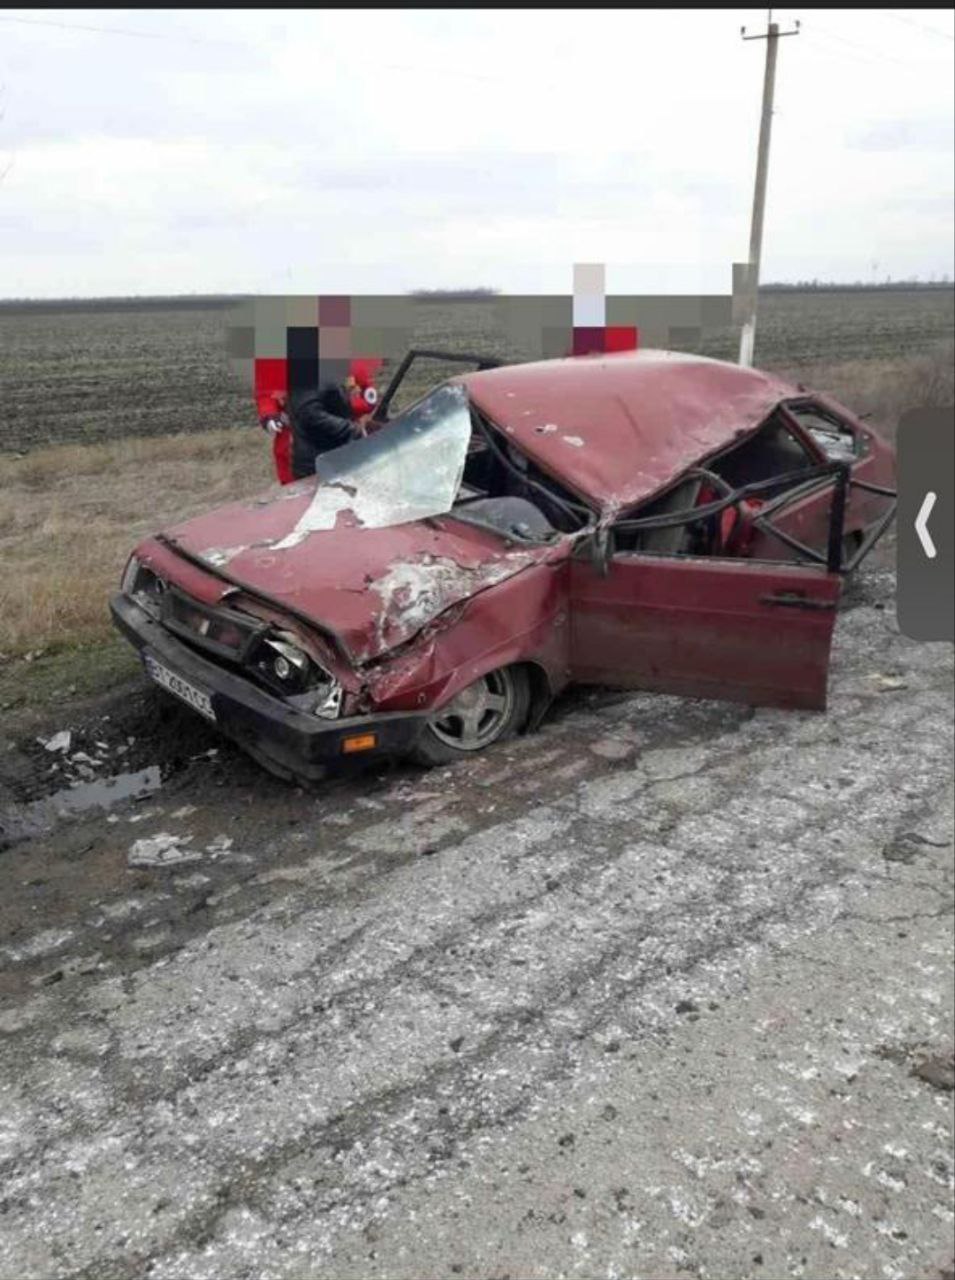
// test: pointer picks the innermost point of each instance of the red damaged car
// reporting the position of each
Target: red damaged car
(647, 519)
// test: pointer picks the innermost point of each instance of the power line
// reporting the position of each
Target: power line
(876, 54)
(833, 47)
(155, 35)
(112, 31)
(831, 50)
(919, 26)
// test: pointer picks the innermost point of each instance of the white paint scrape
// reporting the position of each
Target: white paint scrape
(218, 556)
(415, 591)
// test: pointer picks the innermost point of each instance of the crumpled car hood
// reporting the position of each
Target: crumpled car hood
(374, 588)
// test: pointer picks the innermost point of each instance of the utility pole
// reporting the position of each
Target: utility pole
(772, 35)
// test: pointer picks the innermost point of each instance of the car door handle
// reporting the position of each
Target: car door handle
(793, 601)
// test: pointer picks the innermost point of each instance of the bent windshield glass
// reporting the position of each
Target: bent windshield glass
(409, 470)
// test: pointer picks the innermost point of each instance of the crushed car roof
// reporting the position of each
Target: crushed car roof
(618, 428)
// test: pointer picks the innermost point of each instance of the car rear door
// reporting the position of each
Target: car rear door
(739, 630)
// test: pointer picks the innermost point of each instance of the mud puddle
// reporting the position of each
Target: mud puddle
(38, 817)
(93, 758)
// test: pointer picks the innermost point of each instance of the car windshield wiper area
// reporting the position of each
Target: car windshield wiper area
(511, 517)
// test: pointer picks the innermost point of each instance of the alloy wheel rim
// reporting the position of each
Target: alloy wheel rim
(476, 716)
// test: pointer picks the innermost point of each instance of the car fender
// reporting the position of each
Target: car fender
(524, 619)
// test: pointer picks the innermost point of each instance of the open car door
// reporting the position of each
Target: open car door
(730, 629)
(715, 626)
(420, 371)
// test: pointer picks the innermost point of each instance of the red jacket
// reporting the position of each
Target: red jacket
(271, 402)
(271, 396)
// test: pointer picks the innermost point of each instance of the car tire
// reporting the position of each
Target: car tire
(493, 708)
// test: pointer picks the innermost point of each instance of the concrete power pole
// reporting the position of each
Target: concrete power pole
(772, 35)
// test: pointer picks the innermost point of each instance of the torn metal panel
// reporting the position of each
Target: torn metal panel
(412, 593)
(524, 618)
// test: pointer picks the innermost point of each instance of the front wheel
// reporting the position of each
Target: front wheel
(489, 710)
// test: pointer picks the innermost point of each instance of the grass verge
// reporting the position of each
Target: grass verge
(70, 515)
(68, 673)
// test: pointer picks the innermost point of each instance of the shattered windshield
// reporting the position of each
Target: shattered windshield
(409, 470)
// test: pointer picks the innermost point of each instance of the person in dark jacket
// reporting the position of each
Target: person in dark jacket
(329, 416)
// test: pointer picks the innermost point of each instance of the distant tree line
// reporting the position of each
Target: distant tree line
(209, 302)
(813, 286)
(454, 295)
(172, 302)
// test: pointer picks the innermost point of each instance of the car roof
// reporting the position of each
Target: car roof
(618, 428)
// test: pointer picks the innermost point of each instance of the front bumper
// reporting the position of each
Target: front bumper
(285, 740)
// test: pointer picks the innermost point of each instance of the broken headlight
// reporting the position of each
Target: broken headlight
(289, 670)
(329, 704)
(289, 664)
(143, 586)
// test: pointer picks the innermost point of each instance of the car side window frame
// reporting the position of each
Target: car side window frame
(819, 477)
(776, 490)
(825, 412)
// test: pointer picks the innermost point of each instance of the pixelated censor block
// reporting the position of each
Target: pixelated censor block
(303, 340)
(590, 297)
(544, 327)
(294, 343)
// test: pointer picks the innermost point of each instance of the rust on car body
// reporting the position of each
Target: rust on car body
(645, 519)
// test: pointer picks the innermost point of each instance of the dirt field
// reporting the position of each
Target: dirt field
(72, 376)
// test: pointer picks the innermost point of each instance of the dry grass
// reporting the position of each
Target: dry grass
(70, 514)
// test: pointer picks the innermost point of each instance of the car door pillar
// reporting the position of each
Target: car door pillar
(837, 519)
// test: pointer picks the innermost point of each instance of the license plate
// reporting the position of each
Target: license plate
(193, 697)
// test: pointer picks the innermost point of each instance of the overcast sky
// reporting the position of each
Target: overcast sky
(280, 151)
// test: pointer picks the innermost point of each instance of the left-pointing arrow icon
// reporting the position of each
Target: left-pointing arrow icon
(921, 525)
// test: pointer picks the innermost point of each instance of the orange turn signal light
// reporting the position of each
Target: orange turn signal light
(359, 742)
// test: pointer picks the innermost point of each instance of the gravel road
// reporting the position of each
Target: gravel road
(664, 990)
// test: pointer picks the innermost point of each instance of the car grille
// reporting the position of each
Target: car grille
(223, 632)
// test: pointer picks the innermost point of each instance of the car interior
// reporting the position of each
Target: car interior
(773, 451)
(503, 490)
